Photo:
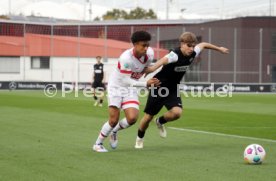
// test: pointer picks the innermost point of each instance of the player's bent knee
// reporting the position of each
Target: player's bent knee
(132, 120)
(176, 112)
(177, 115)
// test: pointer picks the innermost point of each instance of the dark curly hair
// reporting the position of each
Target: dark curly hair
(140, 36)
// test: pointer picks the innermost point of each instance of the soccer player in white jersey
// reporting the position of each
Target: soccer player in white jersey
(122, 93)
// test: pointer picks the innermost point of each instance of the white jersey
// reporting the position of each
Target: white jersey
(130, 68)
(127, 73)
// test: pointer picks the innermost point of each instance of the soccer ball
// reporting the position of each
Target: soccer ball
(254, 154)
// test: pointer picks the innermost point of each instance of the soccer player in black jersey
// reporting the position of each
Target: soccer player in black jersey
(98, 84)
(175, 66)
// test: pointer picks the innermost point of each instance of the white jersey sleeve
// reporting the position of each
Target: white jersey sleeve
(150, 54)
(172, 57)
(197, 50)
(124, 65)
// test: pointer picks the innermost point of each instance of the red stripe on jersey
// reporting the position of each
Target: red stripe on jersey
(130, 102)
(123, 71)
(145, 59)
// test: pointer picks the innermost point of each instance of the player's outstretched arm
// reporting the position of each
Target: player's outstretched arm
(169, 58)
(159, 63)
(205, 45)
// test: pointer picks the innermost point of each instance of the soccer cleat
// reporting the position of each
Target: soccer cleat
(96, 103)
(113, 141)
(99, 148)
(101, 105)
(139, 143)
(162, 129)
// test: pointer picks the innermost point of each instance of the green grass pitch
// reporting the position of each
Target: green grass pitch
(45, 138)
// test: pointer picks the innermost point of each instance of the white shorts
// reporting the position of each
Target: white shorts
(123, 97)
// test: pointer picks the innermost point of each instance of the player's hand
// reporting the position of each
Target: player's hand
(224, 50)
(153, 82)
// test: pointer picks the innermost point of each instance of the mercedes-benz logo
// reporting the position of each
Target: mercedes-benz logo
(12, 85)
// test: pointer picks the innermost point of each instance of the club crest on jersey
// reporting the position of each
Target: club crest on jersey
(126, 65)
(181, 68)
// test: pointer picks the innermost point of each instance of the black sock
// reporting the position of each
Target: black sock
(162, 120)
(141, 134)
(101, 101)
(95, 98)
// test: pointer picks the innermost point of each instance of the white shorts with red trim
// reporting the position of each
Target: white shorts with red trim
(123, 97)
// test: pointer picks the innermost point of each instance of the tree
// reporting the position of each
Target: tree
(115, 14)
(140, 13)
(137, 13)
(4, 17)
(97, 18)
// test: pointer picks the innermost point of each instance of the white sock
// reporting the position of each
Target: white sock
(123, 124)
(106, 129)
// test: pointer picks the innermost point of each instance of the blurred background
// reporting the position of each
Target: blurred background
(55, 41)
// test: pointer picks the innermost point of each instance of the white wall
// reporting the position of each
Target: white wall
(86, 69)
(65, 69)
(15, 76)
(35, 74)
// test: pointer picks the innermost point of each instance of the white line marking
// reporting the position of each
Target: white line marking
(222, 134)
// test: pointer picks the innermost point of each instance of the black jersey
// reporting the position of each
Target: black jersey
(171, 74)
(98, 72)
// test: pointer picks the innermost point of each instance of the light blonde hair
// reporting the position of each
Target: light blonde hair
(188, 37)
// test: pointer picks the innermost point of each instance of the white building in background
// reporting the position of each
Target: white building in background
(45, 58)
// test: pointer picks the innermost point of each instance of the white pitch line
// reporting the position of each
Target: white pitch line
(222, 134)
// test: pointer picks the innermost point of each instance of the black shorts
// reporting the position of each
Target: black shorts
(98, 85)
(155, 104)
